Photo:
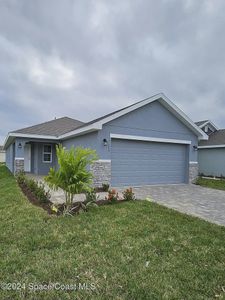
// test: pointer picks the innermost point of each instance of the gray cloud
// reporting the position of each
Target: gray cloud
(86, 58)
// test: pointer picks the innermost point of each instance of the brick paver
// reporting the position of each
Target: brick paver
(205, 203)
(208, 204)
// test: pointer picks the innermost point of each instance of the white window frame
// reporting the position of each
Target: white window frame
(43, 154)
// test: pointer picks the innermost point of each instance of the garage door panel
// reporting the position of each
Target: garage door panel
(138, 163)
(168, 166)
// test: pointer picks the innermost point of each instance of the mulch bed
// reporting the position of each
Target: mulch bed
(34, 200)
(76, 207)
(100, 189)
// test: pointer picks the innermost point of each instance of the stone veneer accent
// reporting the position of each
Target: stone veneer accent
(18, 165)
(193, 172)
(101, 170)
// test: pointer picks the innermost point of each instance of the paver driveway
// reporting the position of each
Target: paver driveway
(208, 204)
(205, 203)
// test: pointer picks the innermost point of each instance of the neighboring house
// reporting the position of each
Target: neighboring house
(211, 152)
(149, 142)
(2, 154)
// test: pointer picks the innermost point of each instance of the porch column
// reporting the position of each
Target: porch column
(19, 155)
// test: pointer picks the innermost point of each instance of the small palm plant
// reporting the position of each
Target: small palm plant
(72, 176)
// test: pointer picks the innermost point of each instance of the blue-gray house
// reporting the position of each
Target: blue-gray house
(149, 142)
(211, 152)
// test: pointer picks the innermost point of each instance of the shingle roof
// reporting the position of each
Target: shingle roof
(67, 127)
(199, 123)
(215, 138)
(55, 127)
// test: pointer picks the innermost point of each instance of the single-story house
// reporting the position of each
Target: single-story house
(149, 142)
(211, 152)
(2, 154)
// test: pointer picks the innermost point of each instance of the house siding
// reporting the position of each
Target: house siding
(89, 140)
(152, 120)
(212, 161)
(10, 157)
(15, 156)
(41, 167)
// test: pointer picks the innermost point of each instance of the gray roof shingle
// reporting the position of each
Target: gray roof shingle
(54, 127)
(215, 138)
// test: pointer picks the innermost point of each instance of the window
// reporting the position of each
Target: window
(47, 153)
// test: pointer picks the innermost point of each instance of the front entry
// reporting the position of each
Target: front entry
(27, 158)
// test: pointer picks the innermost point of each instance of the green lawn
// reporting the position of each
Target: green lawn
(135, 250)
(218, 184)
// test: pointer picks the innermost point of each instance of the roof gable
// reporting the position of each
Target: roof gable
(202, 124)
(98, 123)
(153, 118)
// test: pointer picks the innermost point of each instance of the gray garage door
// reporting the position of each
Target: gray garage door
(141, 163)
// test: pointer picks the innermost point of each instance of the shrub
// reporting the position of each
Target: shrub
(21, 177)
(41, 194)
(128, 194)
(37, 189)
(112, 196)
(91, 196)
(105, 187)
(91, 199)
(31, 184)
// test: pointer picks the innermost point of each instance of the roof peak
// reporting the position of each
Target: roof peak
(203, 123)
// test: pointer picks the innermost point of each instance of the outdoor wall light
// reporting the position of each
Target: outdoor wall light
(19, 145)
(105, 142)
(195, 148)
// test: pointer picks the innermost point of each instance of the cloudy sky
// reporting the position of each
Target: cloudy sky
(86, 58)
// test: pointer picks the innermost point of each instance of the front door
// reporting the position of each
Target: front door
(27, 158)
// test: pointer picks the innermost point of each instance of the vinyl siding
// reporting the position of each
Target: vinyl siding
(152, 120)
(9, 156)
(212, 161)
(89, 140)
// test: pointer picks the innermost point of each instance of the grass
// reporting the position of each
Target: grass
(218, 184)
(134, 250)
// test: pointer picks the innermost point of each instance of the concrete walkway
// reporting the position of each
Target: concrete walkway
(205, 203)
(58, 197)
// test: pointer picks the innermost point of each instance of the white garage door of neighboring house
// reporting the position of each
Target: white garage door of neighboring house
(137, 163)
